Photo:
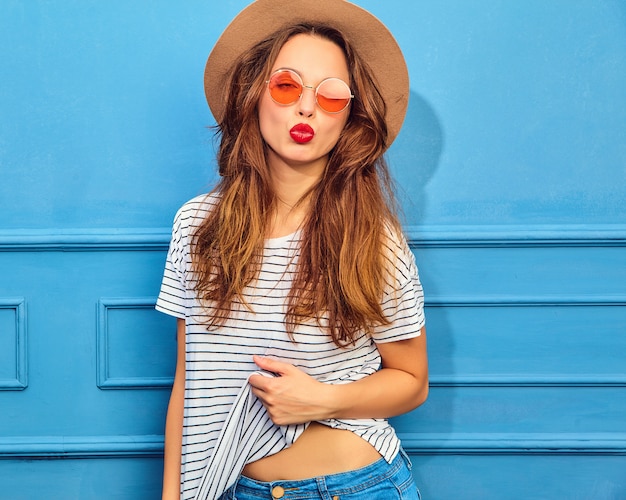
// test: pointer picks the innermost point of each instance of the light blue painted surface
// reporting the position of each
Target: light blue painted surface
(512, 172)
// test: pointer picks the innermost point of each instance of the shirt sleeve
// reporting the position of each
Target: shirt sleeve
(172, 298)
(403, 301)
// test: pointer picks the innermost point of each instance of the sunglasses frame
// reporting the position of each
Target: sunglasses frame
(298, 79)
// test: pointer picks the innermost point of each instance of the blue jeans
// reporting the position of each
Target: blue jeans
(379, 481)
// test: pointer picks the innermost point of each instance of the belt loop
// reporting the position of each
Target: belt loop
(322, 489)
(407, 459)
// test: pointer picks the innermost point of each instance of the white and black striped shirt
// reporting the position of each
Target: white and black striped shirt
(225, 425)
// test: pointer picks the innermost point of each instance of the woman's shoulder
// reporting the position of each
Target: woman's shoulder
(398, 255)
(192, 213)
(197, 208)
(394, 239)
(203, 202)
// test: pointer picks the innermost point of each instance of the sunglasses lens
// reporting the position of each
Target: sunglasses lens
(333, 95)
(284, 87)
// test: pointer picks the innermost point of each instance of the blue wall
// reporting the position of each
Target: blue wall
(511, 169)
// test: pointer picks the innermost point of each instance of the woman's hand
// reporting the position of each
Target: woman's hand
(401, 385)
(292, 397)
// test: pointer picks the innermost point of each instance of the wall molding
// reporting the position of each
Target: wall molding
(131, 239)
(42, 447)
(437, 236)
(514, 443)
(516, 236)
(539, 300)
(104, 380)
(524, 380)
(38, 447)
(20, 381)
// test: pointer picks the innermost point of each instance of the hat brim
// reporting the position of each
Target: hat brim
(368, 35)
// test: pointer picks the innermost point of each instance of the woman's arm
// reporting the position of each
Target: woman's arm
(401, 385)
(174, 422)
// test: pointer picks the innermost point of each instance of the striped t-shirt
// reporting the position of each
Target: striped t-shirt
(225, 426)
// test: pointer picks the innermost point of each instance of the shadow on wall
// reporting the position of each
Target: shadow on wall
(414, 161)
(414, 158)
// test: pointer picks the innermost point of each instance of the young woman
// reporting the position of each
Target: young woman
(300, 312)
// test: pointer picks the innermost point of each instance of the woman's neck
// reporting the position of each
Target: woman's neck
(286, 220)
(290, 210)
(291, 187)
(292, 183)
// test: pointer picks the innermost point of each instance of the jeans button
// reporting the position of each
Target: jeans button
(278, 492)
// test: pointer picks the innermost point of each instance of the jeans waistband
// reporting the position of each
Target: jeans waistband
(345, 482)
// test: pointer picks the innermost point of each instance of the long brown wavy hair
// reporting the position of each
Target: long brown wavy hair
(342, 268)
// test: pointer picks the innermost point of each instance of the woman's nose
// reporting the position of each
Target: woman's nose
(307, 101)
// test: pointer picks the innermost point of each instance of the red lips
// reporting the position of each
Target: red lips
(302, 133)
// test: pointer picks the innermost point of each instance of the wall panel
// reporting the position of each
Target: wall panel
(129, 354)
(13, 347)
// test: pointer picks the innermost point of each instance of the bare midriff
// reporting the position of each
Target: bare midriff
(319, 451)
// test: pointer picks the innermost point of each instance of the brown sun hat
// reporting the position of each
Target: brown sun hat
(367, 34)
